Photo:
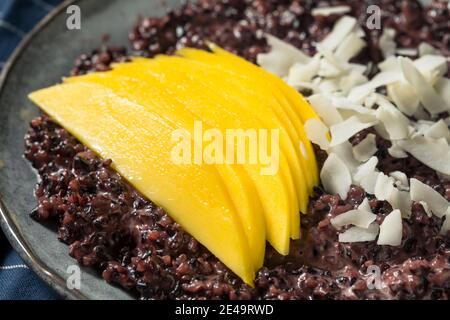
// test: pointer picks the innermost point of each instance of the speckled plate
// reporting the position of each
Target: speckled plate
(41, 60)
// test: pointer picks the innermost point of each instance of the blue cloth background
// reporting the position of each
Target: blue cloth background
(17, 18)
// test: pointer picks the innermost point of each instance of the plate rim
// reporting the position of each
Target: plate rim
(6, 222)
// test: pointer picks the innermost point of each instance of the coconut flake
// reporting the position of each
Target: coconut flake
(424, 90)
(409, 52)
(401, 180)
(359, 218)
(395, 123)
(431, 66)
(357, 234)
(350, 47)
(345, 152)
(317, 132)
(343, 131)
(387, 43)
(301, 72)
(403, 95)
(396, 151)
(325, 109)
(435, 201)
(401, 200)
(384, 186)
(366, 148)
(335, 176)
(426, 49)
(438, 130)
(443, 88)
(381, 79)
(366, 169)
(433, 153)
(340, 30)
(327, 11)
(391, 229)
(281, 57)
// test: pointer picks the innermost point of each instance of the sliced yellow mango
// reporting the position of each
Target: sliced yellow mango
(143, 86)
(298, 109)
(139, 144)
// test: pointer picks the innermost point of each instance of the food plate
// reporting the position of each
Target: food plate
(42, 59)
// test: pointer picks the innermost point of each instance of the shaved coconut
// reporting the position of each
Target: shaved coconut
(406, 52)
(400, 200)
(344, 103)
(436, 202)
(370, 100)
(328, 86)
(431, 65)
(426, 208)
(329, 70)
(350, 47)
(391, 230)
(401, 180)
(345, 152)
(300, 72)
(443, 88)
(405, 99)
(425, 91)
(438, 130)
(326, 11)
(282, 56)
(340, 30)
(381, 79)
(353, 79)
(366, 169)
(369, 182)
(317, 132)
(357, 234)
(397, 152)
(446, 225)
(430, 152)
(366, 148)
(384, 186)
(387, 43)
(365, 206)
(425, 49)
(395, 123)
(343, 131)
(421, 114)
(358, 218)
(390, 64)
(335, 176)
(325, 109)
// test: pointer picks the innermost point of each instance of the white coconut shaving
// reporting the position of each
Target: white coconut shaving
(357, 234)
(435, 201)
(401, 180)
(317, 132)
(364, 150)
(327, 11)
(325, 109)
(396, 151)
(401, 200)
(281, 58)
(402, 93)
(366, 169)
(425, 49)
(343, 131)
(431, 152)
(360, 217)
(391, 229)
(340, 30)
(387, 43)
(384, 186)
(335, 176)
(394, 122)
(437, 130)
(424, 90)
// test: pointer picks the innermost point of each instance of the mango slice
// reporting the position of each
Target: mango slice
(139, 144)
(274, 191)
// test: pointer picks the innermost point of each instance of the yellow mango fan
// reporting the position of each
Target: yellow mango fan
(141, 112)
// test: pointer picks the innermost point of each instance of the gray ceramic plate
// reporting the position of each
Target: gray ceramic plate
(42, 59)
